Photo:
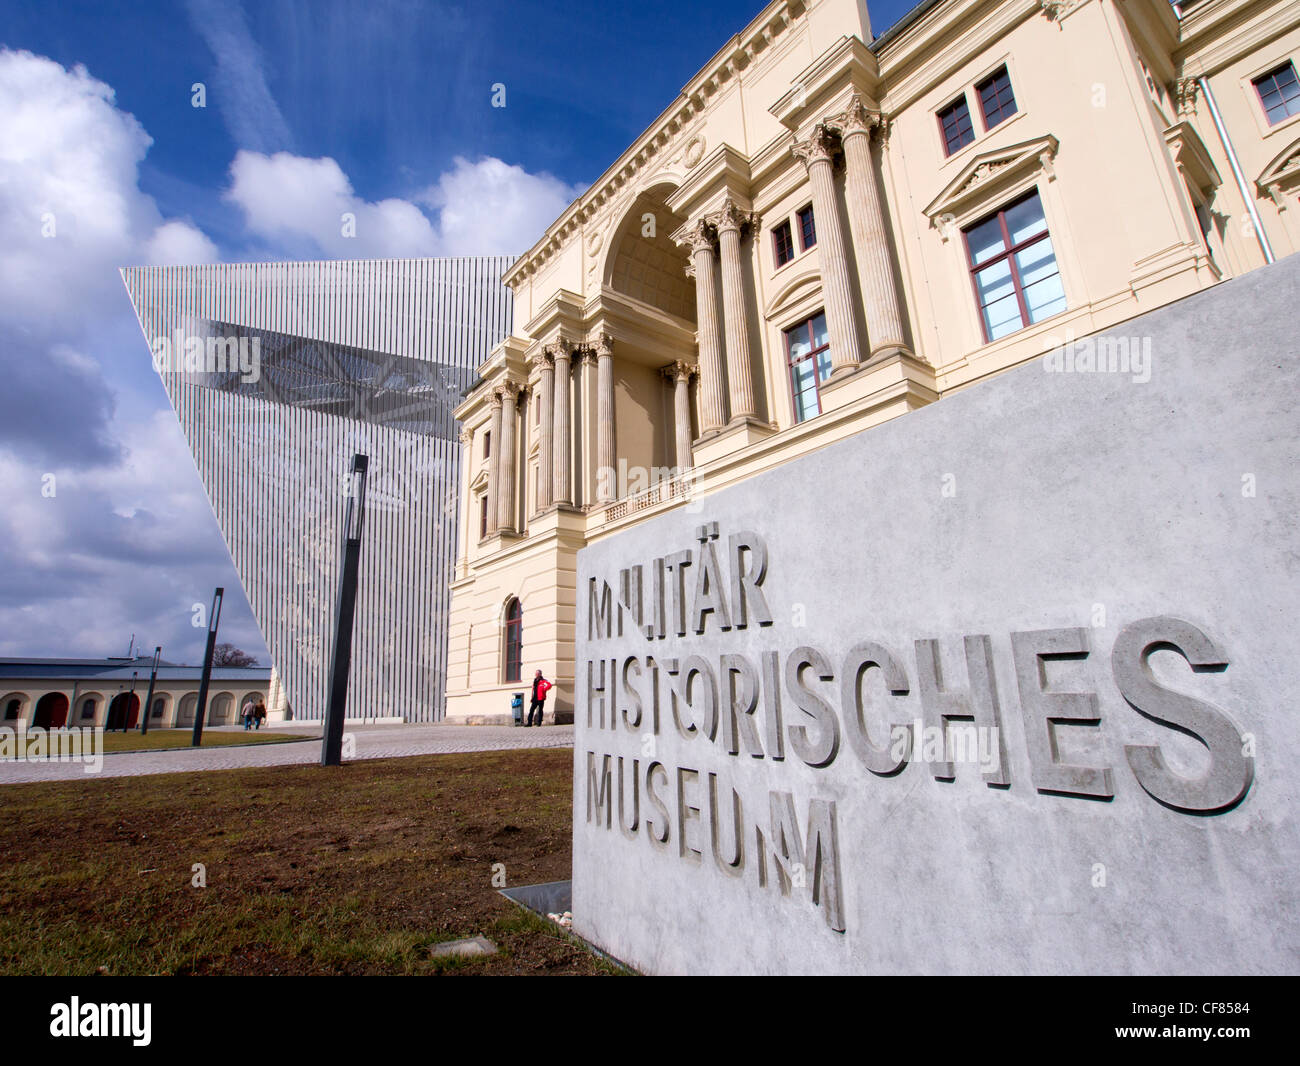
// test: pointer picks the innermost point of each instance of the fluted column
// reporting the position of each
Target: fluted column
(506, 483)
(561, 473)
(494, 462)
(880, 295)
(545, 429)
(679, 374)
(606, 452)
(837, 290)
(729, 222)
(698, 237)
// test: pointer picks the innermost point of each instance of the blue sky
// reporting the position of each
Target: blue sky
(379, 107)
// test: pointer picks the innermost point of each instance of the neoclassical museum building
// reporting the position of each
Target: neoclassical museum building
(827, 229)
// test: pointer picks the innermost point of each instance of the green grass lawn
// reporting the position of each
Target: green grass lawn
(180, 738)
(356, 869)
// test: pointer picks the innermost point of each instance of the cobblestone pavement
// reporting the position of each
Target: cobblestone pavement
(372, 742)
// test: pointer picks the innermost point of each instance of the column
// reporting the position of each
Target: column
(606, 458)
(562, 486)
(880, 295)
(509, 393)
(729, 222)
(494, 462)
(837, 291)
(546, 430)
(698, 237)
(680, 376)
(468, 513)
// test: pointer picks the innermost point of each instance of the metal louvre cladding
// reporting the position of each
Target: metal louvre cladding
(278, 373)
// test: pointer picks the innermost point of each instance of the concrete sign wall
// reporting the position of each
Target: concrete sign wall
(1007, 685)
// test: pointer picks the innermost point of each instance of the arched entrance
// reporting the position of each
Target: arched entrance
(51, 711)
(185, 716)
(219, 709)
(123, 712)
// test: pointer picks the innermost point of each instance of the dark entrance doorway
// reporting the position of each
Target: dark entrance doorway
(123, 712)
(51, 711)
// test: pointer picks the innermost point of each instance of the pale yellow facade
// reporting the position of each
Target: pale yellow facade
(656, 321)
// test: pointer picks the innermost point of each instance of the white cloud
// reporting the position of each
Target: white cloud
(240, 92)
(177, 243)
(494, 208)
(483, 208)
(76, 576)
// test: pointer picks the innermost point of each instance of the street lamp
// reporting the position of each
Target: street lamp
(201, 711)
(148, 700)
(344, 609)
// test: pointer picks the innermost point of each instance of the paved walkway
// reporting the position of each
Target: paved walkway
(372, 742)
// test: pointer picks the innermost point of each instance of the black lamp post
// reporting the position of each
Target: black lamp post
(148, 700)
(345, 607)
(201, 711)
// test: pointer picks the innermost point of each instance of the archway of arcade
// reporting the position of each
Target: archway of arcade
(647, 303)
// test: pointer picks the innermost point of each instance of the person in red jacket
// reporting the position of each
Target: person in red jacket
(540, 688)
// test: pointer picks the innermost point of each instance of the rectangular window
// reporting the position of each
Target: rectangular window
(807, 228)
(808, 349)
(955, 124)
(1279, 93)
(482, 517)
(1013, 268)
(783, 243)
(996, 98)
(487, 444)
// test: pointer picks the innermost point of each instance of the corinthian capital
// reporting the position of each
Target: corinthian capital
(696, 234)
(601, 344)
(731, 218)
(819, 146)
(680, 370)
(857, 118)
(558, 348)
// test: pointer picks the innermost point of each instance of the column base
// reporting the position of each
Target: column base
(737, 434)
(889, 367)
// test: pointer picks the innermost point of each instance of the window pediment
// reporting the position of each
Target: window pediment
(479, 484)
(987, 176)
(1282, 176)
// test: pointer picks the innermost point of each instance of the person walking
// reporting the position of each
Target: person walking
(540, 688)
(259, 715)
(248, 717)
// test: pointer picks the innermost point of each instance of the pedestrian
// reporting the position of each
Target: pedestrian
(259, 714)
(540, 688)
(248, 716)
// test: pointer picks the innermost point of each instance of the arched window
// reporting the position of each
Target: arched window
(514, 649)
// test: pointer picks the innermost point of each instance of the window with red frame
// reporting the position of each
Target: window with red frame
(955, 125)
(1013, 268)
(807, 228)
(808, 349)
(782, 243)
(997, 101)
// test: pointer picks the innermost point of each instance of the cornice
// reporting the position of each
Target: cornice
(1214, 35)
(716, 77)
(847, 67)
(940, 42)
